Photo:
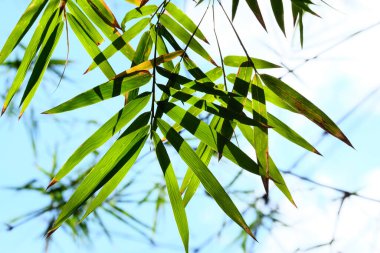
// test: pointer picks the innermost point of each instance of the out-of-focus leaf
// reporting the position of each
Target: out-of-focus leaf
(304, 106)
(104, 133)
(22, 27)
(110, 89)
(41, 65)
(173, 190)
(185, 21)
(207, 179)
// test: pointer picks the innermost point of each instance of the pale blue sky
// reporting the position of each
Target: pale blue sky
(338, 80)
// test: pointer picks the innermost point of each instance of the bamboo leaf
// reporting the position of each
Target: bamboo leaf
(254, 6)
(278, 11)
(22, 27)
(105, 132)
(40, 66)
(235, 4)
(209, 136)
(185, 21)
(185, 37)
(173, 190)
(138, 13)
(110, 89)
(304, 106)
(35, 42)
(86, 23)
(207, 179)
(237, 61)
(121, 42)
(104, 12)
(127, 146)
(90, 46)
(124, 163)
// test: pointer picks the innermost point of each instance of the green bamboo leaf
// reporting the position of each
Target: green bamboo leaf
(110, 89)
(237, 61)
(138, 13)
(161, 47)
(146, 65)
(143, 51)
(104, 133)
(255, 8)
(22, 27)
(38, 37)
(185, 37)
(235, 4)
(104, 12)
(260, 133)
(278, 11)
(207, 179)
(123, 165)
(185, 21)
(173, 190)
(304, 106)
(90, 46)
(212, 108)
(85, 22)
(41, 65)
(270, 96)
(284, 130)
(127, 146)
(121, 42)
(109, 31)
(209, 136)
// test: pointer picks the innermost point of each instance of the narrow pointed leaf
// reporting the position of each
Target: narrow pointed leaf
(304, 106)
(121, 42)
(138, 13)
(235, 4)
(85, 22)
(255, 8)
(278, 11)
(184, 36)
(41, 65)
(110, 89)
(22, 27)
(104, 12)
(237, 61)
(110, 164)
(209, 136)
(90, 46)
(173, 190)
(207, 179)
(104, 133)
(35, 42)
(184, 20)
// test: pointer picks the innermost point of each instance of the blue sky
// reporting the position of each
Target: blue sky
(336, 81)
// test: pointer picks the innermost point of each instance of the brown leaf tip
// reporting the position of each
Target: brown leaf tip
(50, 232)
(52, 182)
